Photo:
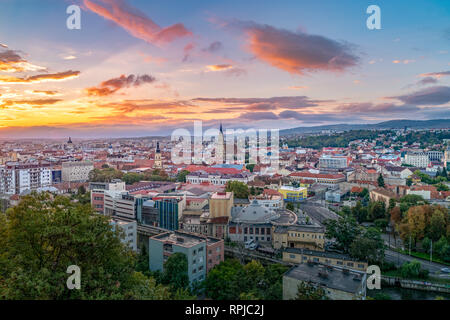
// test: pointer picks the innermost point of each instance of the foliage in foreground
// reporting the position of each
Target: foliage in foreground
(43, 235)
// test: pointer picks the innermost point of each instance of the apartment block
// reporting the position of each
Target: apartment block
(202, 252)
(76, 171)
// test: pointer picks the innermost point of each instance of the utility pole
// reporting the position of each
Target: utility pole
(409, 244)
(431, 252)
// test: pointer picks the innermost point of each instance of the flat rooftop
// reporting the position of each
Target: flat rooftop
(184, 239)
(330, 277)
(221, 195)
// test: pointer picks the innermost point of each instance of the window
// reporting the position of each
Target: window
(262, 230)
(292, 256)
(361, 266)
(350, 264)
(256, 230)
(339, 262)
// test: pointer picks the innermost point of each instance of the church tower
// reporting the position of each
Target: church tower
(158, 162)
(221, 145)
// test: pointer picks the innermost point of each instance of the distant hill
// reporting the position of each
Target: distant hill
(392, 124)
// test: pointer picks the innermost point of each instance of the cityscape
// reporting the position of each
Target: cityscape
(224, 151)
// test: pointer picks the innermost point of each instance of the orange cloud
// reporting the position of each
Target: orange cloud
(219, 67)
(110, 86)
(59, 76)
(136, 23)
(33, 102)
(11, 61)
(297, 52)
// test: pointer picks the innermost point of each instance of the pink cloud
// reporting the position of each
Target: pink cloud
(297, 52)
(135, 22)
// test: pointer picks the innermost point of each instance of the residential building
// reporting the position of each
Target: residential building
(333, 162)
(129, 230)
(18, 177)
(338, 283)
(380, 194)
(417, 159)
(76, 171)
(202, 252)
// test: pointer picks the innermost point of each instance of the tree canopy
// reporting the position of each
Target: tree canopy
(43, 235)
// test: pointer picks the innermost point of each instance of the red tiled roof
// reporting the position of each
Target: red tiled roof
(316, 175)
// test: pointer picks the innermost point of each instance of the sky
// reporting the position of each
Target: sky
(144, 67)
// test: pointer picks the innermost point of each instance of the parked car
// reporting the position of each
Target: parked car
(249, 243)
(445, 270)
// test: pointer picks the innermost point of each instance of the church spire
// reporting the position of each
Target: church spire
(221, 131)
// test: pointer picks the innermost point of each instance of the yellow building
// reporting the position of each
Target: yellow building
(299, 236)
(296, 255)
(292, 194)
(220, 204)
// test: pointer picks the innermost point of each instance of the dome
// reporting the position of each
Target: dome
(256, 213)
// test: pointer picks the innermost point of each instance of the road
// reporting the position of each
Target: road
(318, 213)
(399, 258)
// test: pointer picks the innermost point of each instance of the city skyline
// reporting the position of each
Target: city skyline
(137, 68)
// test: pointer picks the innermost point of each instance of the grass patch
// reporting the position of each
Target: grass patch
(397, 274)
(422, 255)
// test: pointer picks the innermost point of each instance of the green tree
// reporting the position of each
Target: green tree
(43, 235)
(380, 181)
(359, 212)
(441, 187)
(176, 271)
(368, 246)
(344, 231)
(290, 206)
(181, 176)
(250, 167)
(413, 270)
(142, 264)
(377, 210)
(308, 291)
(132, 177)
(240, 189)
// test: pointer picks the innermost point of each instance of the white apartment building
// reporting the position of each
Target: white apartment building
(435, 155)
(129, 228)
(16, 177)
(417, 159)
(333, 162)
(76, 171)
(218, 179)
